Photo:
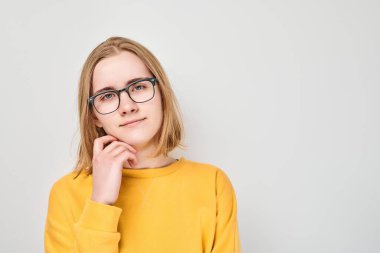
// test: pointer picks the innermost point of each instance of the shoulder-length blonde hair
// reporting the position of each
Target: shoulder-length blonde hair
(171, 132)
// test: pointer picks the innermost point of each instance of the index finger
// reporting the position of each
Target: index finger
(99, 142)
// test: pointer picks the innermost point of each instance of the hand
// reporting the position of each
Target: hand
(107, 168)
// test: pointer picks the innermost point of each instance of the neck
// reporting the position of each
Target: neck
(145, 161)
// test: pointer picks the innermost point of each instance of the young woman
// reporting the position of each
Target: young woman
(126, 194)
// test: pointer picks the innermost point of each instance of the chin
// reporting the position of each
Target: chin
(135, 139)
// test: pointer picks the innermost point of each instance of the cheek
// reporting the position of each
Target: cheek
(156, 111)
(110, 124)
(156, 115)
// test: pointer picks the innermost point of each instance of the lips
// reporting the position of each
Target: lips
(132, 121)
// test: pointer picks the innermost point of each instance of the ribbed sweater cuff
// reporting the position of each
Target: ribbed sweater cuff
(99, 216)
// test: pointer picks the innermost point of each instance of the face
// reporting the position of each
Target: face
(116, 71)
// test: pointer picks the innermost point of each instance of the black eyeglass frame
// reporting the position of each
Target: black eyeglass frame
(152, 80)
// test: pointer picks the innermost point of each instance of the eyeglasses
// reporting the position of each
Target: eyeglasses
(139, 91)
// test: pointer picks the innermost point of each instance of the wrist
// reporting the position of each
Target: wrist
(101, 201)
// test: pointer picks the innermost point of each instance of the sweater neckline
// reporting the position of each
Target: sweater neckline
(154, 172)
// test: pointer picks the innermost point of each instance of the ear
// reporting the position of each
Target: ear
(95, 119)
(97, 122)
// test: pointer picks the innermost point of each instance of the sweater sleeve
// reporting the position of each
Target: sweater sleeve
(226, 238)
(95, 230)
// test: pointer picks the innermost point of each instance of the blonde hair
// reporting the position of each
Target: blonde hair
(171, 132)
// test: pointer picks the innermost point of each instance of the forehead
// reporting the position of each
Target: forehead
(117, 70)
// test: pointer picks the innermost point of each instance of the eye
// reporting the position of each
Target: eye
(140, 86)
(107, 96)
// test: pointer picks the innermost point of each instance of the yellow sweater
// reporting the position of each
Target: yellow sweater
(185, 207)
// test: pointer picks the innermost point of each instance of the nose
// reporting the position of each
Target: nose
(127, 105)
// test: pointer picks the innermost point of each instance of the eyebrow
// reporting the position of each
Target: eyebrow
(110, 87)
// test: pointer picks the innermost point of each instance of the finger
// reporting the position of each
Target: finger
(127, 155)
(101, 141)
(115, 144)
(129, 146)
(109, 149)
(131, 163)
(117, 150)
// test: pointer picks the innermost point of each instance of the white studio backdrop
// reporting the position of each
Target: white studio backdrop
(282, 95)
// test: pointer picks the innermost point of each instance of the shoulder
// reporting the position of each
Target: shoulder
(209, 179)
(68, 183)
(206, 169)
(197, 167)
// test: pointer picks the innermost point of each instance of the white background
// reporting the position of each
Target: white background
(282, 95)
